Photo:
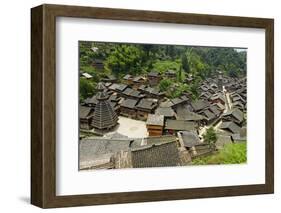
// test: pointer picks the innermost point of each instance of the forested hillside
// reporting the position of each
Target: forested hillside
(140, 59)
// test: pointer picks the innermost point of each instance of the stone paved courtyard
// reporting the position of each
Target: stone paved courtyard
(131, 128)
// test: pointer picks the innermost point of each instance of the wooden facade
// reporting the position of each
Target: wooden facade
(154, 130)
(85, 123)
(85, 117)
(155, 124)
(144, 107)
(127, 108)
(138, 81)
(153, 78)
(128, 112)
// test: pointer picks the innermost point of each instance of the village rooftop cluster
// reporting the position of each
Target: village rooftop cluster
(174, 126)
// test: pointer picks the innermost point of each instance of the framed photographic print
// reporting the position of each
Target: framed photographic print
(136, 106)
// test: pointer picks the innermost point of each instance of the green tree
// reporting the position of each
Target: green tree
(87, 89)
(210, 136)
(165, 84)
(184, 63)
(164, 65)
(125, 59)
(85, 53)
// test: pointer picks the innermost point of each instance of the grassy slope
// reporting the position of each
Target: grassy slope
(230, 154)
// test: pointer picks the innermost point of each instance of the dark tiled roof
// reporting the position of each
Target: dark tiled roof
(238, 104)
(90, 149)
(236, 113)
(184, 98)
(205, 95)
(136, 94)
(114, 86)
(161, 155)
(180, 125)
(127, 91)
(204, 87)
(133, 93)
(84, 111)
(159, 139)
(129, 103)
(93, 100)
(190, 138)
(166, 111)
(219, 106)
(127, 77)
(238, 98)
(146, 104)
(218, 96)
(118, 87)
(154, 119)
(107, 84)
(199, 104)
(110, 77)
(215, 110)
(183, 113)
(153, 74)
(230, 126)
(121, 87)
(142, 87)
(166, 103)
(138, 78)
(176, 101)
(156, 91)
(208, 114)
(114, 97)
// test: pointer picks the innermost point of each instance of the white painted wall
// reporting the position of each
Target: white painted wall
(15, 106)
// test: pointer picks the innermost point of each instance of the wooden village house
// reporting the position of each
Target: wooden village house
(153, 78)
(85, 115)
(144, 107)
(128, 108)
(109, 79)
(217, 98)
(151, 92)
(138, 81)
(128, 79)
(230, 127)
(173, 126)
(234, 115)
(132, 93)
(155, 124)
(167, 112)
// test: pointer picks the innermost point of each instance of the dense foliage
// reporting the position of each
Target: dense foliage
(230, 154)
(87, 88)
(138, 59)
(210, 136)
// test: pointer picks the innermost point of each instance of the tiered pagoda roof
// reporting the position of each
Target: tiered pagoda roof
(104, 115)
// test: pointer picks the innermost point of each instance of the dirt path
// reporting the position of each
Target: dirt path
(228, 103)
